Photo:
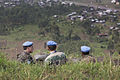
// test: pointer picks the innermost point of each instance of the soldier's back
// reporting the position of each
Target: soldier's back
(88, 58)
(56, 58)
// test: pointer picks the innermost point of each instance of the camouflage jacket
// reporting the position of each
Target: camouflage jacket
(88, 58)
(56, 58)
(25, 58)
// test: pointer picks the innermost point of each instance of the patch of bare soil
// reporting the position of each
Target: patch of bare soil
(14, 48)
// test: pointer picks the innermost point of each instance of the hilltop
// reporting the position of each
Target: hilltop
(67, 24)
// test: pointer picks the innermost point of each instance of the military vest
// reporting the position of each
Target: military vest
(56, 58)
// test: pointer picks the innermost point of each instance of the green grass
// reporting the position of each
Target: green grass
(22, 33)
(12, 70)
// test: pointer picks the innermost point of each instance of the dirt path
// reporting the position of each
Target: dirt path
(12, 51)
(91, 5)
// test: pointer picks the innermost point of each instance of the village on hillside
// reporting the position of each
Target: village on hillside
(42, 3)
(95, 16)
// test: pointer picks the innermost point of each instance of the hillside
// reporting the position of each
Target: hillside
(65, 24)
(71, 26)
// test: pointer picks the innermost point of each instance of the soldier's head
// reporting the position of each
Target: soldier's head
(51, 45)
(28, 46)
(85, 50)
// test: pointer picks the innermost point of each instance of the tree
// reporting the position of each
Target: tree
(3, 29)
(110, 44)
(55, 32)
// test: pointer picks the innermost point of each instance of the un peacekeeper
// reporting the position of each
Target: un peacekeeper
(55, 58)
(86, 57)
(25, 56)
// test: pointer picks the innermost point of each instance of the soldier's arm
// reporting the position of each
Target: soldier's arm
(40, 57)
(64, 59)
(48, 61)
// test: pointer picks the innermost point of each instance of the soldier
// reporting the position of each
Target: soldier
(55, 58)
(25, 56)
(85, 55)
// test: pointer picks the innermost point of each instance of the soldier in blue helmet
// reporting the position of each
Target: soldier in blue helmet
(86, 57)
(25, 56)
(55, 58)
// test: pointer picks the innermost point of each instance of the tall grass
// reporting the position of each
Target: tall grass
(12, 70)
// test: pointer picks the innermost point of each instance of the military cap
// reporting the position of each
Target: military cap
(85, 48)
(51, 43)
(27, 43)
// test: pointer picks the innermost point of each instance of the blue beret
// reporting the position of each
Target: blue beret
(85, 48)
(51, 43)
(27, 43)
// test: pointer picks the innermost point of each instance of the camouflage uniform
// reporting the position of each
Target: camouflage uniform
(25, 58)
(56, 58)
(88, 58)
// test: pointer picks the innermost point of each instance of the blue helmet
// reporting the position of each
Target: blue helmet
(85, 49)
(27, 43)
(51, 43)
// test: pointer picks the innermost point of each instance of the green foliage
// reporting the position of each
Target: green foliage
(111, 45)
(3, 29)
(72, 47)
(26, 14)
(91, 31)
(117, 46)
(11, 70)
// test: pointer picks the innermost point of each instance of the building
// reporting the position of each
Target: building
(117, 2)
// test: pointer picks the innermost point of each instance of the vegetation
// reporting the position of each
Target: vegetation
(25, 22)
(17, 24)
(71, 71)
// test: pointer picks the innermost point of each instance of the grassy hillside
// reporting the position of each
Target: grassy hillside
(40, 24)
(70, 35)
(22, 33)
(11, 70)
